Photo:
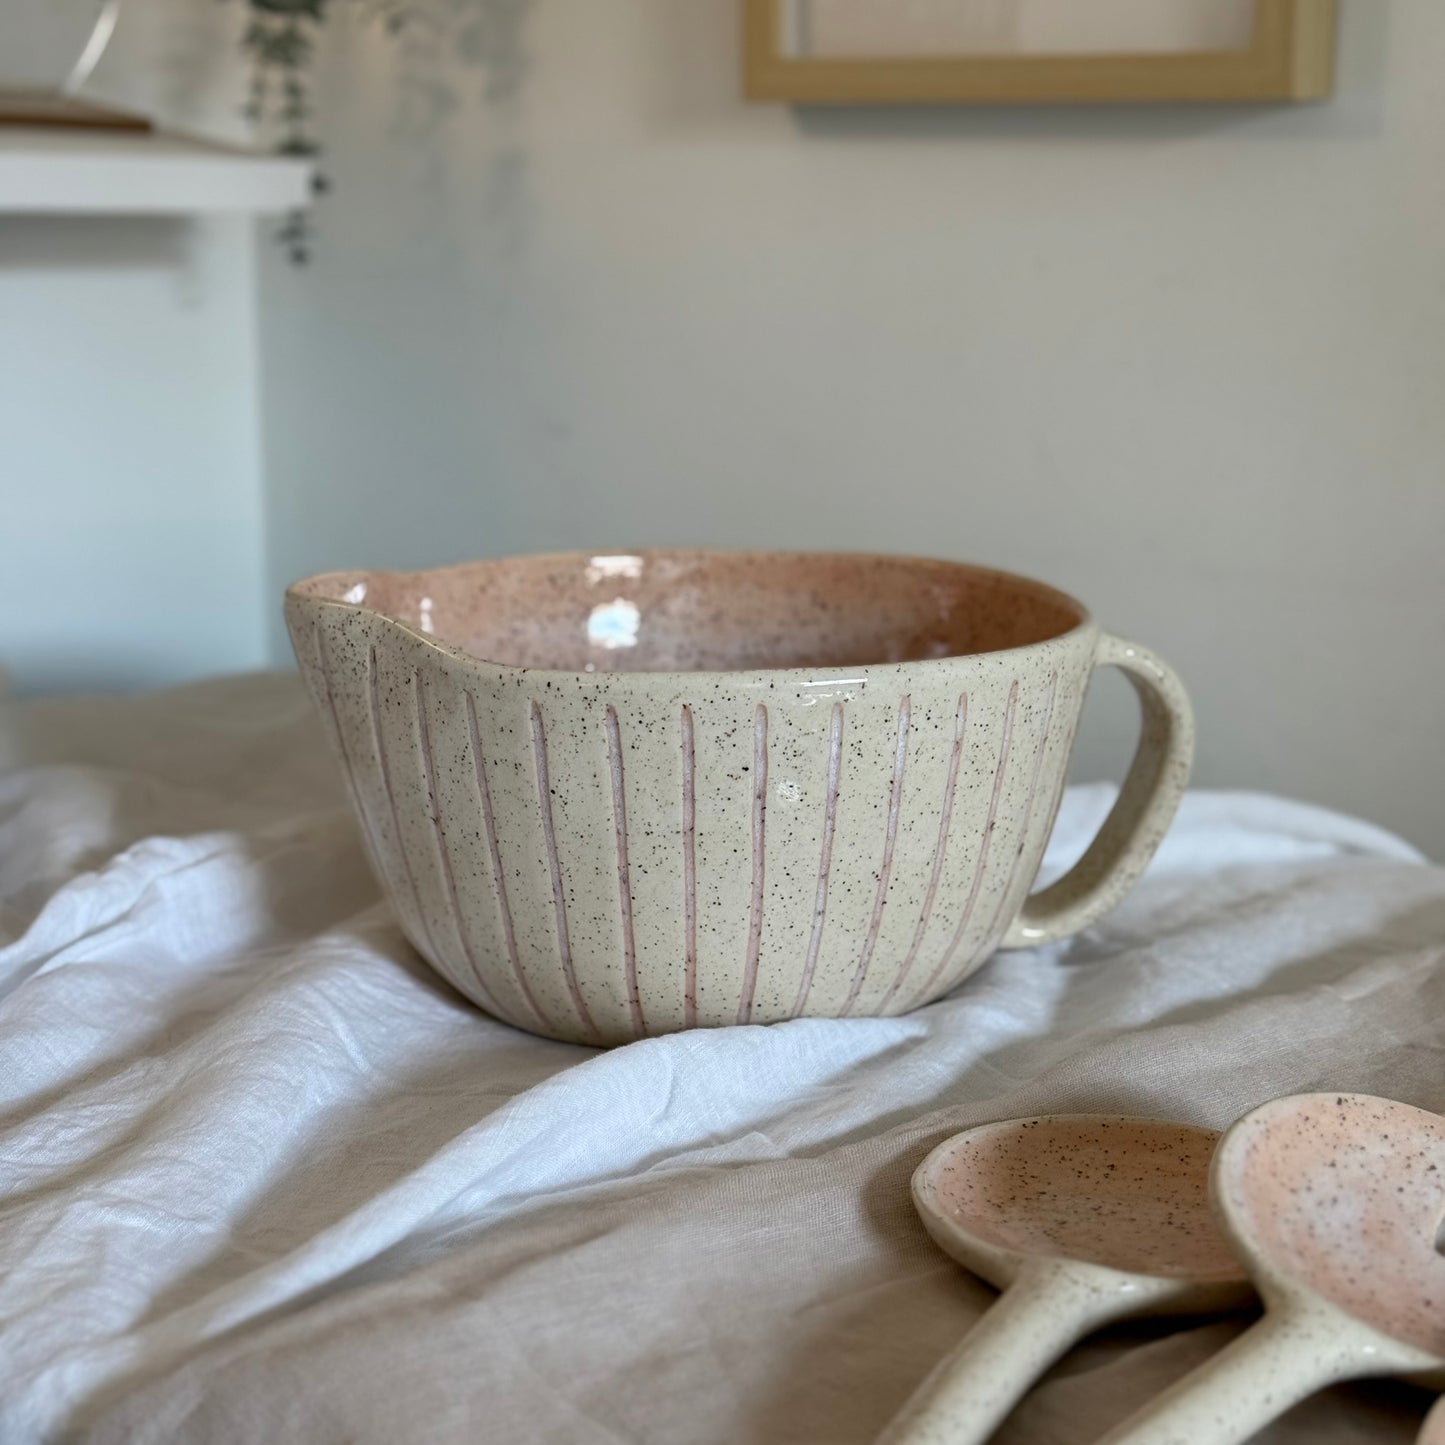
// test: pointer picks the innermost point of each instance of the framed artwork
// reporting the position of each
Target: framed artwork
(846, 52)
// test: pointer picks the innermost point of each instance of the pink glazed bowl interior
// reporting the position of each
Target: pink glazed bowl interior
(689, 611)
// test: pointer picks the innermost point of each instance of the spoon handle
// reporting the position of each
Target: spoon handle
(1432, 1432)
(1253, 1380)
(1033, 1323)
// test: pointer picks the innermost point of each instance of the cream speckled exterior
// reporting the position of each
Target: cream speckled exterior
(599, 856)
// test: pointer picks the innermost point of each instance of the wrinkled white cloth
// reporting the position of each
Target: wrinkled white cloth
(264, 1177)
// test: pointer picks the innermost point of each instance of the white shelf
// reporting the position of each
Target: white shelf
(86, 172)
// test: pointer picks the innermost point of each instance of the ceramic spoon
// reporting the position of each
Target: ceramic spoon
(1080, 1219)
(1433, 1431)
(1333, 1200)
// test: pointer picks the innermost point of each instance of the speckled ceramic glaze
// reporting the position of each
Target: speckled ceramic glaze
(1333, 1201)
(617, 795)
(1081, 1220)
(1433, 1430)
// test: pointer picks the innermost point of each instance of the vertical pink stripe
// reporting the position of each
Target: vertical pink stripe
(1043, 747)
(347, 766)
(825, 861)
(1039, 759)
(1004, 894)
(885, 872)
(433, 808)
(384, 764)
(689, 870)
(950, 787)
(504, 908)
(624, 873)
(983, 850)
(760, 806)
(1057, 797)
(559, 901)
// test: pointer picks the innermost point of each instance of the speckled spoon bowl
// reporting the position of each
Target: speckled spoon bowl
(1080, 1219)
(1333, 1200)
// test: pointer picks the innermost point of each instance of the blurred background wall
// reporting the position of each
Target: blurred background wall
(131, 539)
(131, 533)
(1185, 363)
(569, 290)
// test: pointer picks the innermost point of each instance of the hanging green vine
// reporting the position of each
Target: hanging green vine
(281, 39)
(280, 44)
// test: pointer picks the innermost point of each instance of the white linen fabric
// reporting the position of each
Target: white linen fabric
(263, 1177)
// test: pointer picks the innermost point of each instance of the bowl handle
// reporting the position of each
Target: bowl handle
(1141, 814)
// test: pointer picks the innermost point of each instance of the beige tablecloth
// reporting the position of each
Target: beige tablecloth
(263, 1178)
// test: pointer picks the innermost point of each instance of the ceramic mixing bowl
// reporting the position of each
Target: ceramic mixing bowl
(618, 795)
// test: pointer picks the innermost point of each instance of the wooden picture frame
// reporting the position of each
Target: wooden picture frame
(1290, 58)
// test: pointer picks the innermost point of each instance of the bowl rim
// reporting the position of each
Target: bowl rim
(297, 594)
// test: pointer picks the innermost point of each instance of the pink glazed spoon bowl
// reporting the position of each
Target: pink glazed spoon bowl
(1333, 1200)
(1080, 1220)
